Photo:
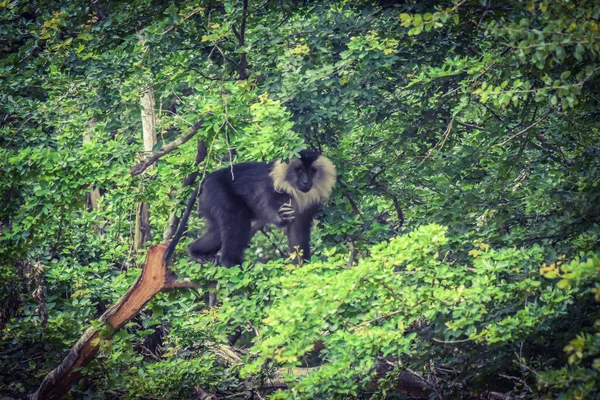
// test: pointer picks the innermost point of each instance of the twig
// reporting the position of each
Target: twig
(376, 319)
(444, 138)
(588, 77)
(227, 124)
(195, 11)
(525, 130)
(283, 255)
(354, 206)
(470, 126)
(458, 5)
(451, 341)
(143, 165)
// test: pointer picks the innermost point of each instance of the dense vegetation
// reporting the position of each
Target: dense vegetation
(462, 241)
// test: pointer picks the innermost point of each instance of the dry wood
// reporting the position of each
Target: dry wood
(152, 280)
(148, 120)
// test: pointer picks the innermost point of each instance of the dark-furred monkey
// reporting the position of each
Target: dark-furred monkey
(239, 200)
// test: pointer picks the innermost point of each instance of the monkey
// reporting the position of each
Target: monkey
(238, 201)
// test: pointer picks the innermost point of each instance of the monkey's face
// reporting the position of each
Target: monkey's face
(305, 178)
(301, 174)
(309, 178)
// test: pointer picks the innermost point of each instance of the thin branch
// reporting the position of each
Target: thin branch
(369, 322)
(588, 77)
(444, 138)
(182, 227)
(470, 126)
(354, 206)
(143, 165)
(227, 124)
(182, 284)
(458, 5)
(194, 11)
(243, 65)
(283, 255)
(525, 130)
(498, 117)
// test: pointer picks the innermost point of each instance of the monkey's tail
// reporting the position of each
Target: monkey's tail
(200, 190)
(182, 223)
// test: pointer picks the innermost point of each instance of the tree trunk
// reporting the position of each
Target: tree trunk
(142, 221)
(94, 195)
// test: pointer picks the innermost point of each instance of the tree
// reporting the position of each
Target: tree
(461, 243)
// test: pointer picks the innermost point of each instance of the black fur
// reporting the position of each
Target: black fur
(236, 206)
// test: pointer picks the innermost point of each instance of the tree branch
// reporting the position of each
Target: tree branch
(151, 281)
(143, 165)
(182, 285)
(525, 130)
(470, 126)
(241, 36)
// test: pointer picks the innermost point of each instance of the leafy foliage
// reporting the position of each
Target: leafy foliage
(461, 241)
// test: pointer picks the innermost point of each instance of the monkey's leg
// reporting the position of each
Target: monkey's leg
(299, 236)
(204, 249)
(212, 294)
(236, 232)
(206, 245)
(234, 220)
(230, 218)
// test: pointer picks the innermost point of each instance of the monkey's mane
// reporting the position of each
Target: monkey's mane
(323, 182)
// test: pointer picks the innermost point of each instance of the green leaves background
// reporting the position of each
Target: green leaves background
(466, 137)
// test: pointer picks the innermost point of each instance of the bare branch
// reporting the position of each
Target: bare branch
(444, 138)
(354, 206)
(525, 130)
(182, 285)
(470, 126)
(143, 165)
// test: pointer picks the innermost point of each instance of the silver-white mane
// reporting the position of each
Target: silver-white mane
(323, 183)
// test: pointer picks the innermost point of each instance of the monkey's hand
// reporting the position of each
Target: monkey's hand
(286, 212)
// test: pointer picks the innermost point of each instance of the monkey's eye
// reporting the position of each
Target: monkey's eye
(298, 170)
(313, 170)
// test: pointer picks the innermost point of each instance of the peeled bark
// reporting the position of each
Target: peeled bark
(152, 280)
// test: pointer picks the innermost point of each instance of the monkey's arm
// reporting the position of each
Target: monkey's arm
(298, 233)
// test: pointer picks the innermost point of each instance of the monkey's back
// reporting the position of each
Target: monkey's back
(248, 188)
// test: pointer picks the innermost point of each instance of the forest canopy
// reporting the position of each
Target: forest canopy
(460, 248)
